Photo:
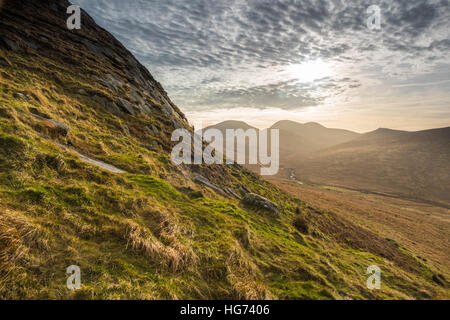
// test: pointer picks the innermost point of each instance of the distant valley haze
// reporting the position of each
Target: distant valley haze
(403, 163)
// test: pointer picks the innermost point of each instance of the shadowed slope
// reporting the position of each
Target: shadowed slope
(411, 164)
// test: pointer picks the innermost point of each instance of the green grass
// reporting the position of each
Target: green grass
(138, 235)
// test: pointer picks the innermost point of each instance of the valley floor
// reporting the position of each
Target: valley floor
(421, 228)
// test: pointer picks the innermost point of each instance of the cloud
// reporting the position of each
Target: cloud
(233, 53)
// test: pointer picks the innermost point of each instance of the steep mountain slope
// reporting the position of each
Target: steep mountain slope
(410, 164)
(86, 179)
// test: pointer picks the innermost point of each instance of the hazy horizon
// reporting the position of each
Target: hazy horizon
(212, 123)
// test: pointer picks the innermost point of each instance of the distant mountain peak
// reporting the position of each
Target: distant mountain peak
(231, 124)
(385, 131)
(314, 124)
(236, 122)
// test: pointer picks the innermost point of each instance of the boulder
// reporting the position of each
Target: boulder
(56, 127)
(256, 201)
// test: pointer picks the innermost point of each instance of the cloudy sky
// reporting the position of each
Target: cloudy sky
(306, 60)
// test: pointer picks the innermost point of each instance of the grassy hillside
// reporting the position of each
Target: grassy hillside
(150, 232)
(418, 226)
(409, 164)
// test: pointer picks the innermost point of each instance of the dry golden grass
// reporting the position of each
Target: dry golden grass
(419, 227)
(18, 237)
(38, 97)
(173, 257)
(242, 274)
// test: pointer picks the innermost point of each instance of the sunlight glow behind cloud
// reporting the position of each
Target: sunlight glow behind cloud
(309, 71)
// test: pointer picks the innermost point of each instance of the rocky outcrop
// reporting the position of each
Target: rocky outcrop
(130, 85)
(204, 181)
(125, 106)
(152, 146)
(152, 129)
(227, 191)
(244, 190)
(256, 201)
(232, 192)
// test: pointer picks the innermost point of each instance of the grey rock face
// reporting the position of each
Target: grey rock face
(233, 193)
(134, 96)
(256, 201)
(10, 44)
(148, 130)
(152, 129)
(202, 180)
(153, 146)
(244, 190)
(145, 109)
(113, 82)
(126, 130)
(108, 104)
(125, 106)
(31, 44)
(130, 87)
